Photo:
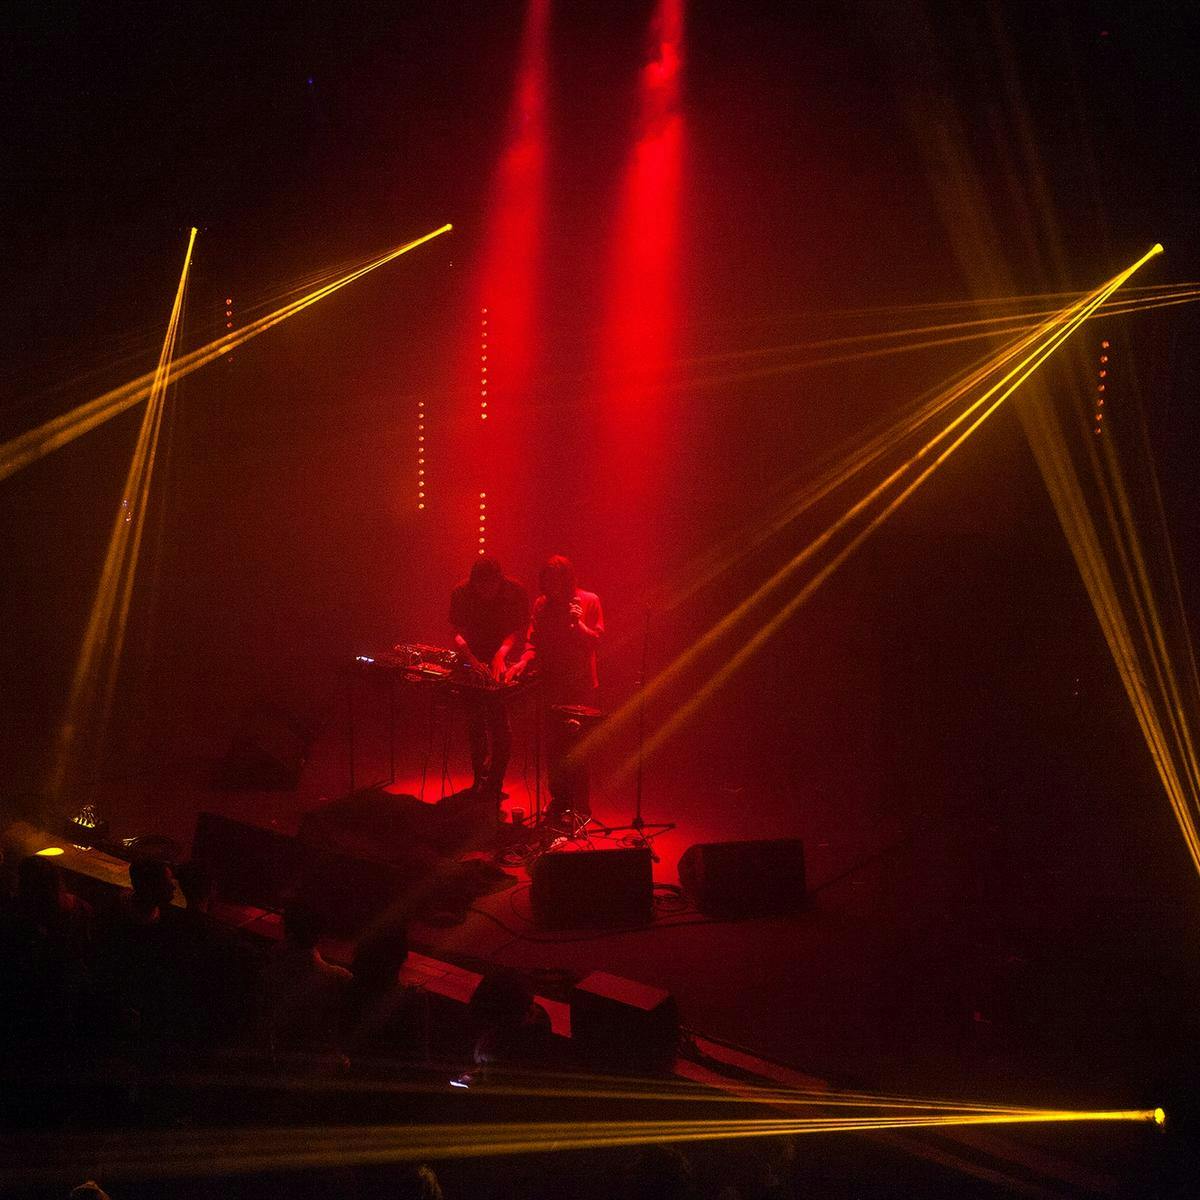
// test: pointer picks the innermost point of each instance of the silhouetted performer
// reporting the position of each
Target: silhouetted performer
(566, 627)
(489, 613)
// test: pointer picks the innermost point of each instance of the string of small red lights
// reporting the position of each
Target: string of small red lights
(1101, 387)
(420, 454)
(483, 416)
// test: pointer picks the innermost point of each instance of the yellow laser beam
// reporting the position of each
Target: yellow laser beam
(211, 1152)
(93, 682)
(1005, 386)
(914, 345)
(991, 325)
(737, 547)
(550, 1085)
(1116, 570)
(1017, 375)
(963, 302)
(1044, 338)
(28, 447)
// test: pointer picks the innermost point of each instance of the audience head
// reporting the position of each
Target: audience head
(90, 1190)
(404, 1182)
(379, 957)
(417, 1183)
(40, 886)
(302, 926)
(153, 882)
(197, 885)
(486, 576)
(503, 999)
(661, 1173)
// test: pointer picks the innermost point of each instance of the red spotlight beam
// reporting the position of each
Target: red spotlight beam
(506, 291)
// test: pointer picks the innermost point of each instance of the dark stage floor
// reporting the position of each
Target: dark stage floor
(1035, 951)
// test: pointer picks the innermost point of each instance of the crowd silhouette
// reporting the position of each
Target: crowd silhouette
(110, 1011)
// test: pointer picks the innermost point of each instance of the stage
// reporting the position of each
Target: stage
(798, 393)
(944, 952)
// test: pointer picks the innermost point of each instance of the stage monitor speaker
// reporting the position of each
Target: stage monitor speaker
(267, 869)
(268, 750)
(619, 1026)
(353, 893)
(744, 879)
(395, 827)
(249, 864)
(593, 889)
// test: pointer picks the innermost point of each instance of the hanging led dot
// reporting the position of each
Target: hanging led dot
(421, 481)
(1101, 387)
(483, 359)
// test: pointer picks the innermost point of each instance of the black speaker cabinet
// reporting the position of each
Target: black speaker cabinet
(389, 827)
(267, 752)
(249, 864)
(744, 879)
(593, 889)
(352, 893)
(267, 869)
(620, 1026)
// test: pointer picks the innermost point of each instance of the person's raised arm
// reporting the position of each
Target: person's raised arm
(587, 619)
(528, 656)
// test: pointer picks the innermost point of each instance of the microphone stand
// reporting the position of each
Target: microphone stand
(643, 833)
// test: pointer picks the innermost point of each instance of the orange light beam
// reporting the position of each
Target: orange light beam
(94, 680)
(1005, 387)
(28, 447)
(991, 326)
(176, 1153)
(739, 546)
(835, 478)
(850, 356)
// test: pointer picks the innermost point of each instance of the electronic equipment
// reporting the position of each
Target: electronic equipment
(415, 663)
